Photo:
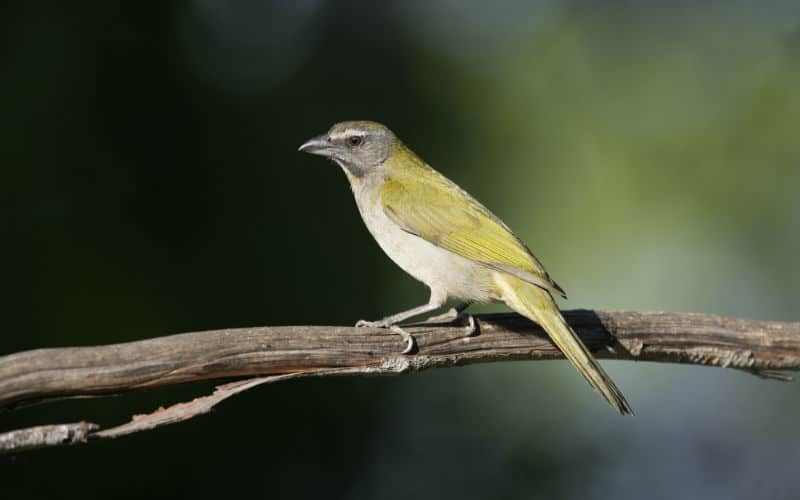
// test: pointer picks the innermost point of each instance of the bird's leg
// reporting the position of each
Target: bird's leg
(436, 301)
(452, 315)
(401, 316)
(449, 316)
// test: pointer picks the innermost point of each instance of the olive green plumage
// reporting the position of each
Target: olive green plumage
(446, 239)
(425, 203)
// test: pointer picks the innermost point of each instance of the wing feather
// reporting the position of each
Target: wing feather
(427, 204)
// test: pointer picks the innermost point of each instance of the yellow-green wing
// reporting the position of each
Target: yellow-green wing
(425, 203)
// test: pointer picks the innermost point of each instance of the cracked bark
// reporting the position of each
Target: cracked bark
(271, 354)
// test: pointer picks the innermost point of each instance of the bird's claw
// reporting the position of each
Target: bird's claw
(407, 337)
(470, 329)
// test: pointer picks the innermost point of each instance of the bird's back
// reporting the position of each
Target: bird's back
(425, 203)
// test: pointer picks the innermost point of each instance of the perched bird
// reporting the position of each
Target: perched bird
(443, 237)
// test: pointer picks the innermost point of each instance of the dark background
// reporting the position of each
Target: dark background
(648, 152)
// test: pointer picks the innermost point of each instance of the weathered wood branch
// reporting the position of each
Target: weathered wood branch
(277, 353)
(43, 436)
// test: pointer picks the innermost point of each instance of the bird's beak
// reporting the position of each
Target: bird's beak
(319, 145)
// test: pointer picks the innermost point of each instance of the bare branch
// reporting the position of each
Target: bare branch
(43, 436)
(184, 411)
(276, 353)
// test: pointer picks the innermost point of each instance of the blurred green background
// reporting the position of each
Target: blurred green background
(649, 153)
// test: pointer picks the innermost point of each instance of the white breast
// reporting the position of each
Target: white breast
(442, 271)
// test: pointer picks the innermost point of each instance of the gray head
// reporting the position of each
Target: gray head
(358, 146)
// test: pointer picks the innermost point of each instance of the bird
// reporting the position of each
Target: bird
(443, 237)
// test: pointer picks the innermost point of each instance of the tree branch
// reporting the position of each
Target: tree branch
(278, 353)
(43, 436)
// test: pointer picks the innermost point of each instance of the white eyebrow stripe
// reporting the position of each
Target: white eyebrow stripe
(348, 133)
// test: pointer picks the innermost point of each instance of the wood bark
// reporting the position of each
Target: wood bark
(268, 354)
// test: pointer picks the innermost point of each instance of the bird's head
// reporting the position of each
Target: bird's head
(359, 147)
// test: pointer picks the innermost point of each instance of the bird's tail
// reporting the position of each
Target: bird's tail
(537, 305)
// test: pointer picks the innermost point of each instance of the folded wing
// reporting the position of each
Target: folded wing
(428, 205)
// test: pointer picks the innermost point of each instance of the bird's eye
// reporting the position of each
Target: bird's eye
(355, 140)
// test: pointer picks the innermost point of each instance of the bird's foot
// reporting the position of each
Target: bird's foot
(470, 329)
(381, 323)
(453, 315)
(448, 316)
(407, 337)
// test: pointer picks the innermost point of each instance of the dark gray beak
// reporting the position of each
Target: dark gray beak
(320, 145)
